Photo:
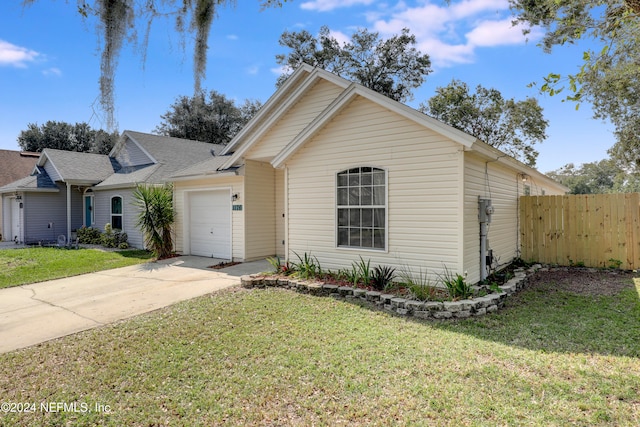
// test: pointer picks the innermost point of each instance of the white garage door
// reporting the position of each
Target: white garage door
(210, 223)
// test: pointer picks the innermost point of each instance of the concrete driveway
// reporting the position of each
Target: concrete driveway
(32, 314)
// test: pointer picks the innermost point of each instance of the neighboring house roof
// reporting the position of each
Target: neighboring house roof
(77, 168)
(303, 79)
(15, 165)
(40, 182)
(167, 156)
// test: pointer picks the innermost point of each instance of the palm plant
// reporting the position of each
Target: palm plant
(155, 217)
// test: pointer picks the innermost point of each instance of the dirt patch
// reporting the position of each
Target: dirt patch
(223, 265)
(583, 281)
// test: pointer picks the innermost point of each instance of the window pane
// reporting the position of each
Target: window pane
(343, 236)
(116, 222)
(343, 217)
(378, 177)
(354, 170)
(116, 205)
(378, 195)
(367, 218)
(354, 196)
(365, 196)
(367, 238)
(342, 180)
(366, 179)
(365, 170)
(343, 196)
(354, 237)
(378, 239)
(378, 218)
(354, 217)
(354, 180)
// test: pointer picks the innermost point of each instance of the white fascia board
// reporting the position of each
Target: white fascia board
(266, 108)
(316, 124)
(311, 79)
(206, 175)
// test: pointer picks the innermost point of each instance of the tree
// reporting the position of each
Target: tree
(118, 23)
(155, 217)
(511, 126)
(609, 76)
(392, 67)
(599, 177)
(65, 136)
(213, 118)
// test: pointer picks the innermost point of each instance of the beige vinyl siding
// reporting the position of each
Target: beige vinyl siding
(102, 206)
(491, 180)
(213, 183)
(280, 213)
(296, 119)
(260, 210)
(423, 177)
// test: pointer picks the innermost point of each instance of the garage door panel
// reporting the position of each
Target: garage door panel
(210, 223)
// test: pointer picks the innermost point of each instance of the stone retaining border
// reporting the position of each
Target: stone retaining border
(478, 306)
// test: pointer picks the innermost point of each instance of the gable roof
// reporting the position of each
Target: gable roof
(75, 167)
(167, 155)
(38, 182)
(305, 77)
(15, 165)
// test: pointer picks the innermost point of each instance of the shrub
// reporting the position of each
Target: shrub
(363, 272)
(113, 238)
(89, 236)
(307, 268)
(419, 285)
(456, 284)
(155, 217)
(382, 277)
(280, 267)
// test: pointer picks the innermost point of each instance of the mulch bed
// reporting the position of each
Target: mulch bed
(583, 281)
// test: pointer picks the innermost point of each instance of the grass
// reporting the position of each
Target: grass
(274, 357)
(22, 266)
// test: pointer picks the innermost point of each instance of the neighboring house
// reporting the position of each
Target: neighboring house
(13, 166)
(68, 190)
(331, 168)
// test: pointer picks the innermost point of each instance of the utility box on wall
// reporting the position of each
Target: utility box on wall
(485, 210)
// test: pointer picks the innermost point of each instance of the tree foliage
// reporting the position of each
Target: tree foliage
(119, 22)
(155, 217)
(65, 136)
(511, 126)
(609, 76)
(392, 67)
(208, 117)
(594, 178)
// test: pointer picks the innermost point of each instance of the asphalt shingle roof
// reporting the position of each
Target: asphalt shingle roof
(207, 167)
(15, 165)
(74, 166)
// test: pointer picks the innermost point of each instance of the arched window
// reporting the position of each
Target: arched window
(361, 195)
(116, 213)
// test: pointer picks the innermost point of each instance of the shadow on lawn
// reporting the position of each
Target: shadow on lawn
(566, 310)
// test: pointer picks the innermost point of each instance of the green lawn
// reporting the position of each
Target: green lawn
(22, 266)
(274, 357)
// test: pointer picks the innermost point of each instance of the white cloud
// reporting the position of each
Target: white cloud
(341, 37)
(450, 34)
(232, 37)
(52, 72)
(329, 5)
(252, 70)
(16, 56)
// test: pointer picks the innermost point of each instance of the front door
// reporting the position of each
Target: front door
(89, 215)
(16, 234)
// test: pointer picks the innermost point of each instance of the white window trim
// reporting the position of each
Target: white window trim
(386, 212)
(111, 214)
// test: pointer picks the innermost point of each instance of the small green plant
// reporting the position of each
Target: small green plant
(382, 277)
(113, 238)
(89, 236)
(456, 284)
(363, 270)
(307, 267)
(420, 285)
(280, 267)
(614, 263)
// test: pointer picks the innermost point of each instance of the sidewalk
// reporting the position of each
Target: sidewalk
(32, 314)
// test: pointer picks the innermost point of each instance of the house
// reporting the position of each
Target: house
(68, 190)
(13, 165)
(331, 168)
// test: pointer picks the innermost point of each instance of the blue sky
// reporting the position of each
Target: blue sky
(49, 63)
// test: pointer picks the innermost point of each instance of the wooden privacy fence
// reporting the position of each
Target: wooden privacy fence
(594, 230)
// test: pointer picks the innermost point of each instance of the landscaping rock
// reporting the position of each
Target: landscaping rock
(442, 314)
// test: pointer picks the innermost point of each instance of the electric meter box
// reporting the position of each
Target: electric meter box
(486, 210)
